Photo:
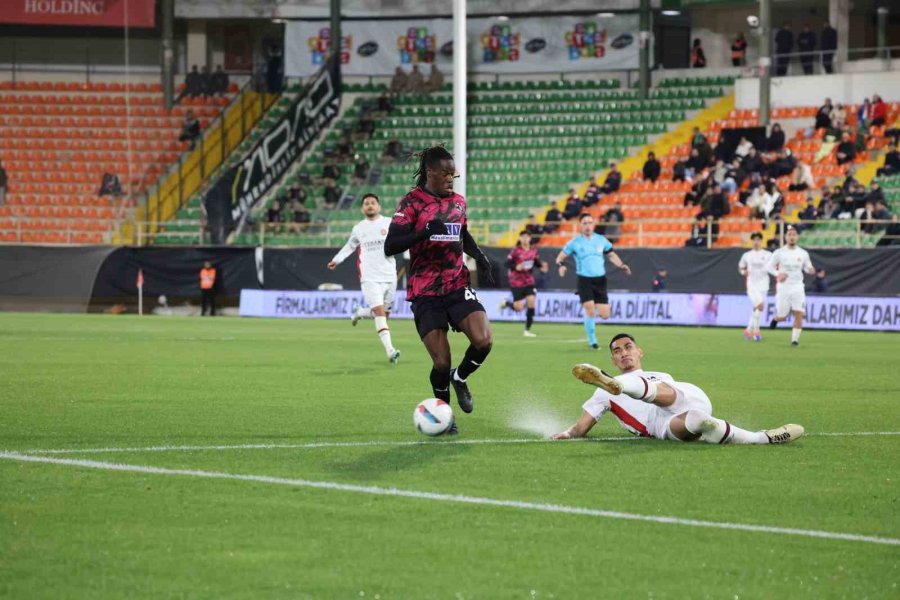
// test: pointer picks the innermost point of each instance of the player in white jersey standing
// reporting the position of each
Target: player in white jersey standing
(650, 404)
(754, 266)
(377, 272)
(788, 264)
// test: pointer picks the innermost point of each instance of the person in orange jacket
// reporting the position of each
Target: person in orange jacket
(208, 288)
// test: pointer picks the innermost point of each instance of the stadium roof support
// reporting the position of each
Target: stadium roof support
(459, 94)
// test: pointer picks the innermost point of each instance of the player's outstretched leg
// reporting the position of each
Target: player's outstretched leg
(478, 330)
(636, 386)
(716, 431)
(363, 312)
(797, 329)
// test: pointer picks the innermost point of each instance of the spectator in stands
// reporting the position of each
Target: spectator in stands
(827, 206)
(297, 193)
(839, 116)
(856, 199)
(784, 45)
(344, 148)
(220, 81)
(734, 177)
(806, 43)
(743, 148)
(612, 223)
(704, 231)
(881, 214)
(193, 86)
(360, 169)
(846, 150)
(534, 229)
(739, 51)
(652, 168)
(713, 203)
(613, 180)
(891, 234)
(364, 129)
(809, 213)
(110, 185)
(819, 284)
(435, 80)
(823, 115)
(878, 111)
(399, 81)
(415, 82)
(784, 164)
(694, 166)
(866, 216)
(698, 191)
(392, 151)
(679, 171)
(752, 163)
(697, 138)
(190, 129)
(206, 82)
(208, 289)
(850, 180)
(659, 282)
(775, 141)
(698, 57)
(300, 217)
(274, 68)
(552, 219)
(332, 194)
(330, 172)
(891, 163)
(385, 105)
(876, 193)
(592, 194)
(802, 178)
(275, 216)
(573, 205)
(829, 45)
(765, 201)
(3, 183)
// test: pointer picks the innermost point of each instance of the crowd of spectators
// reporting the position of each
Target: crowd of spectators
(203, 83)
(414, 82)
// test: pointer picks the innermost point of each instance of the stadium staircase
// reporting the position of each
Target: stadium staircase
(57, 139)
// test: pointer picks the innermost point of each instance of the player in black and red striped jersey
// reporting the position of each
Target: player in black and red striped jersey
(521, 262)
(431, 223)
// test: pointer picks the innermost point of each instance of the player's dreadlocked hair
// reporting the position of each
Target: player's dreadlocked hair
(429, 157)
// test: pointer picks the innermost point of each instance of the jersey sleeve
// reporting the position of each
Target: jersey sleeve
(772, 266)
(349, 248)
(569, 248)
(807, 263)
(742, 264)
(597, 404)
(607, 246)
(406, 214)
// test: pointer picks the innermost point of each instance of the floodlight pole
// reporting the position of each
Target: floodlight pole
(644, 76)
(765, 59)
(460, 69)
(336, 31)
(168, 53)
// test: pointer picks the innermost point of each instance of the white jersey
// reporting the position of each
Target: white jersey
(756, 263)
(643, 418)
(368, 237)
(793, 261)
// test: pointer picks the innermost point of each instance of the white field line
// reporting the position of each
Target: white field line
(363, 444)
(458, 498)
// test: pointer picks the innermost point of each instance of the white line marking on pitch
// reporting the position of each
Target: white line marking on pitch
(363, 444)
(433, 496)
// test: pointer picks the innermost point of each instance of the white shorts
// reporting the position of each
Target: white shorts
(757, 294)
(790, 300)
(379, 293)
(687, 397)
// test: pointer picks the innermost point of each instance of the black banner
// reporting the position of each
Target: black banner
(230, 199)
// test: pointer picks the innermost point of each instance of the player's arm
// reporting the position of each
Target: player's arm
(402, 234)
(470, 247)
(561, 261)
(742, 266)
(542, 265)
(614, 259)
(348, 249)
(808, 266)
(773, 266)
(579, 429)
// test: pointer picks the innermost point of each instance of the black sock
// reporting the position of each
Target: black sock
(529, 318)
(470, 363)
(509, 305)
(440, 384)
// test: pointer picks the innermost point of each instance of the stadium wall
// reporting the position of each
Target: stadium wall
(850, 88)
(81, 279)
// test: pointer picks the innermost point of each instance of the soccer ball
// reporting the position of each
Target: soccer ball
(433, 416)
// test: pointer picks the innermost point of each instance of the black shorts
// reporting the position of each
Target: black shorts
(519, 293)
(593, 288)
(439, 312)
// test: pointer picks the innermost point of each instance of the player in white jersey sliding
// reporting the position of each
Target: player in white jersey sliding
(652, 404)
(754, 265)
(377, 272)
(788, 264)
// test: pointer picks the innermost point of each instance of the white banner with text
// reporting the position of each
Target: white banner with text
(715, 310)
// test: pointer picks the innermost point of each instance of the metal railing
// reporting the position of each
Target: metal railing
(794, 60)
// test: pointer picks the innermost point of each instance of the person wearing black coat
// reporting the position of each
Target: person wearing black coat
(828, 45)
(652, 168)
(784, 44)
(806, 43)
(775, 141)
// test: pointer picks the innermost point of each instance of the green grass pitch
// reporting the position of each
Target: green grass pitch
(93, 382)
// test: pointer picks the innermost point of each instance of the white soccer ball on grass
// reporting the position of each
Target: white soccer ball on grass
(433, 416)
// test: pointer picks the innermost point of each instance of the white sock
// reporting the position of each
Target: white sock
(639, 388)
(754, 320)
(384, 333)
(750, 321)
(363, 312)
(795, 334)
(717, 431)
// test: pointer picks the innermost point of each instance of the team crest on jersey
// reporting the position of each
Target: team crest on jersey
(453, 232)
(459, 207)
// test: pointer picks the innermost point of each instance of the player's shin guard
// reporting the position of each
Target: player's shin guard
(591, 329)
(384, 333)
(440, 384)
(471, 361)
(639, 388)
(716, 431)
(529, 318)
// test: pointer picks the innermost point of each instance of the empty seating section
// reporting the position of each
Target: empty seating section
(528, 142)
(58, 139)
